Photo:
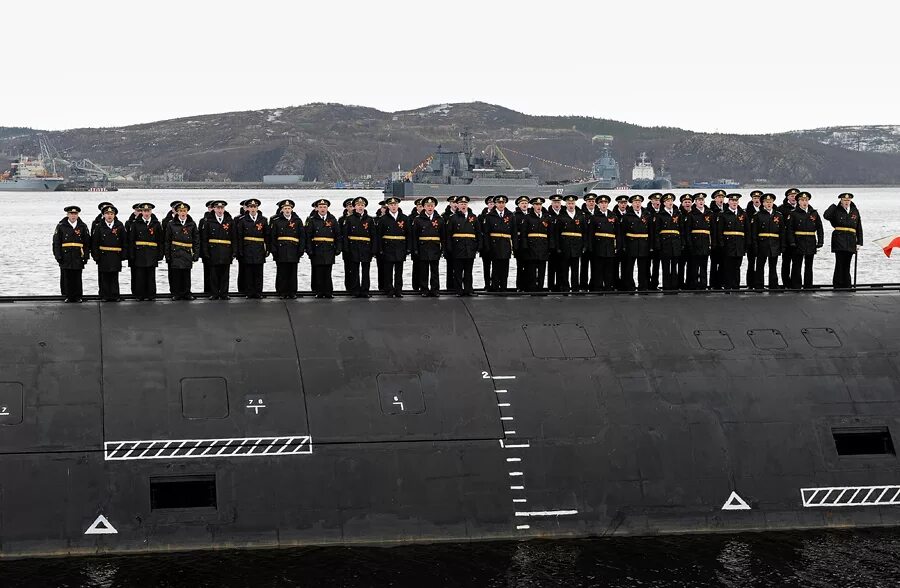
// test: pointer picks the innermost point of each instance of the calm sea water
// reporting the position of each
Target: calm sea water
(27, 222)
(863, 558)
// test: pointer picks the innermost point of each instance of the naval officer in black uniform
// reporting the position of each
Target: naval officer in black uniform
(109, 247)
(71, 248)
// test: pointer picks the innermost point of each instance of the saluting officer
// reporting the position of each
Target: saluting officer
(667, 242)
(109, 246)
(698, 234)
(71, 248)
(217, 243)
(323, 245)
(463, 240)
(687, 205)
(393, 245)
(519, 214)
(604, 240)
(767, 237)
(636, 232)
(536, 240)
(805, 236)
(427, 242)
(286, 242)
(731, 232)
(182, 249)
(360, 244)
(145, 251)
(570, 237)
(500, 239)
(846, 239)
(787, 253)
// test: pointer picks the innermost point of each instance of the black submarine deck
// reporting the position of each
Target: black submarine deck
(146, 427)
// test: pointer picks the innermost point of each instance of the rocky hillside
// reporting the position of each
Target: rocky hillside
(336, 142)
(870, 138)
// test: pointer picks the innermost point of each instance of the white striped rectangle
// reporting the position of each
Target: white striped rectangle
(203, 448)
(833, 496)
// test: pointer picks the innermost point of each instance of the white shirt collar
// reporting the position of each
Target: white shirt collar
(220, 218)
(571, 214)
(109, 225)
(71, 224)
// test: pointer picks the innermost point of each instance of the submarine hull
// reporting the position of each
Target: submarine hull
(172, 426)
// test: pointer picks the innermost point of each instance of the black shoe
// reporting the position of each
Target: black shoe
(328, 296)
(224, 297)
(398, 295)
(213, 297)
(189, 297)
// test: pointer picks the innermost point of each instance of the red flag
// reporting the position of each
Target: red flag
(888, 243)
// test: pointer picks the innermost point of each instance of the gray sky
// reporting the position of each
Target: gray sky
(749, 67)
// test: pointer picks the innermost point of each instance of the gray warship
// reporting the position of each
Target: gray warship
(606, 169)
(464, 173)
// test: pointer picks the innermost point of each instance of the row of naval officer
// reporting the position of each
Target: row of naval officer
(500, 230)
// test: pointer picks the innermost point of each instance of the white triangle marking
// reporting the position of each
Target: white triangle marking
(101, 526)
(735, 502)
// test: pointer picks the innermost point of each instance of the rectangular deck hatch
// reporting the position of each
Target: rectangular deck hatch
(183, 492)
(863, 441)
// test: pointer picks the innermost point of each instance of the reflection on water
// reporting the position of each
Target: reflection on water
(865, 558)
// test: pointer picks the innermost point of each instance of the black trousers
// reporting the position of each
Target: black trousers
(566, 267)
(219, 276)
(841, 278)
(801, 264)
(71, 284)
(206, 267)
(643, 267)
(750, 278)
(654, 270)
(416, 270)
(696, 278)
(486, 272)
(179, 283)
(463, 279)
(522, 279)
(761, 262)
(499, 275)
(668, 270)
(109, 285)
(715, 270)
(429, 279)
(143, 282)
(393, 271)
(683, 262)
(356, 275)
(382, 273)
(620, 272)
(321, 277)
(731, 272)
(286, 278)
(534, 272)
(253, 280)
(551, 275)
(451, 274)
(787, 258)
(603, 274)
(584, 273)
(242, 278)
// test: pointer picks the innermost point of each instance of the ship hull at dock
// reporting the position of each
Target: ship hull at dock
(481, 189)
(138, 427)
(31, 184)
